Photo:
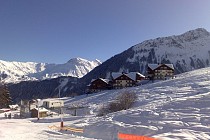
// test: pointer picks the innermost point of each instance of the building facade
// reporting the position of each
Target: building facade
(99, 84)
(122, 80)
(53, 103)
(160, 71)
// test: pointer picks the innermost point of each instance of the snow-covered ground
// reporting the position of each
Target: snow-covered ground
(32, 129)
(177, 109)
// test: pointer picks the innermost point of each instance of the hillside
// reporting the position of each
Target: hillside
(188, 51)
(13, 72)
(174, 109)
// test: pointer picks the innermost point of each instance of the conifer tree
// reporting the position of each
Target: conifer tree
(5, 99)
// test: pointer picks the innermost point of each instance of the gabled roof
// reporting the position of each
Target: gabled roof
(105, 80)
(155, 66)
(131, 75)
(170, 66)
(141, 75)
(115, 75)
(92, 80)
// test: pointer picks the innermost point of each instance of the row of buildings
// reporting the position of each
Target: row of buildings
(122, 80)
(42, 107)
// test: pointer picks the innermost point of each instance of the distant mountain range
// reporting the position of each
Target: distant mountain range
(186, 52)
(13, 72)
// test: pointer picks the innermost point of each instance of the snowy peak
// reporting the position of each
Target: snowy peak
(82, 61)
(76, 60)
(195, 34)
(187, 51)
(24, 71)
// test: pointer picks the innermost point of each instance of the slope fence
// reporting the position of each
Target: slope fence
(67, 128)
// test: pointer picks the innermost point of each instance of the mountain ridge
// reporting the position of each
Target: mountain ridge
(12, 72)
(188, 51)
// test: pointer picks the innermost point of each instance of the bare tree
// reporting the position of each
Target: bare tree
(124, 101)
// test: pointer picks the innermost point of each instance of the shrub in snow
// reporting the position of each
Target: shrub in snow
(122, 102)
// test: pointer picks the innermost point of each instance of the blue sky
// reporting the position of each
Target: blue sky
(55, 31)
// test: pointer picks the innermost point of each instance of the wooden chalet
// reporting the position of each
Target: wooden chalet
(160, 71)
(122, 80)
(99, 84)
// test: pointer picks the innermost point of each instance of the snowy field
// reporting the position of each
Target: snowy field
(177, 109)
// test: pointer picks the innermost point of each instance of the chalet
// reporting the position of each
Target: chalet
(53, 103)
(160, 71)
(121, 80)
(42, 112)
(99, 84)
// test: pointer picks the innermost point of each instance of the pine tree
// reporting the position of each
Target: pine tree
(5, 99)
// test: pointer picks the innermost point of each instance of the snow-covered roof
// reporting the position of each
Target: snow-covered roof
(131, 75)
(92, 80)
(41, 109)
(105, 80)
(154, 66)
(170, 65)
(116, 74)
(138, 73)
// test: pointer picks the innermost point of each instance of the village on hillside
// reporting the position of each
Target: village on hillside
(162, 110)
(129, 79)
(39, 108)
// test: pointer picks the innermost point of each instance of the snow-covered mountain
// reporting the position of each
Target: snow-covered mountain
(24, 71)
(186, 52)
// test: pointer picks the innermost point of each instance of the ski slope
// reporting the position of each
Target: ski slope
(177, 109)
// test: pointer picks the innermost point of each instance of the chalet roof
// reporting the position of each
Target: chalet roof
(170, 66)
(116, 74)
(154, 66)
(105, 80)
(92, 80)
(131, 75)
